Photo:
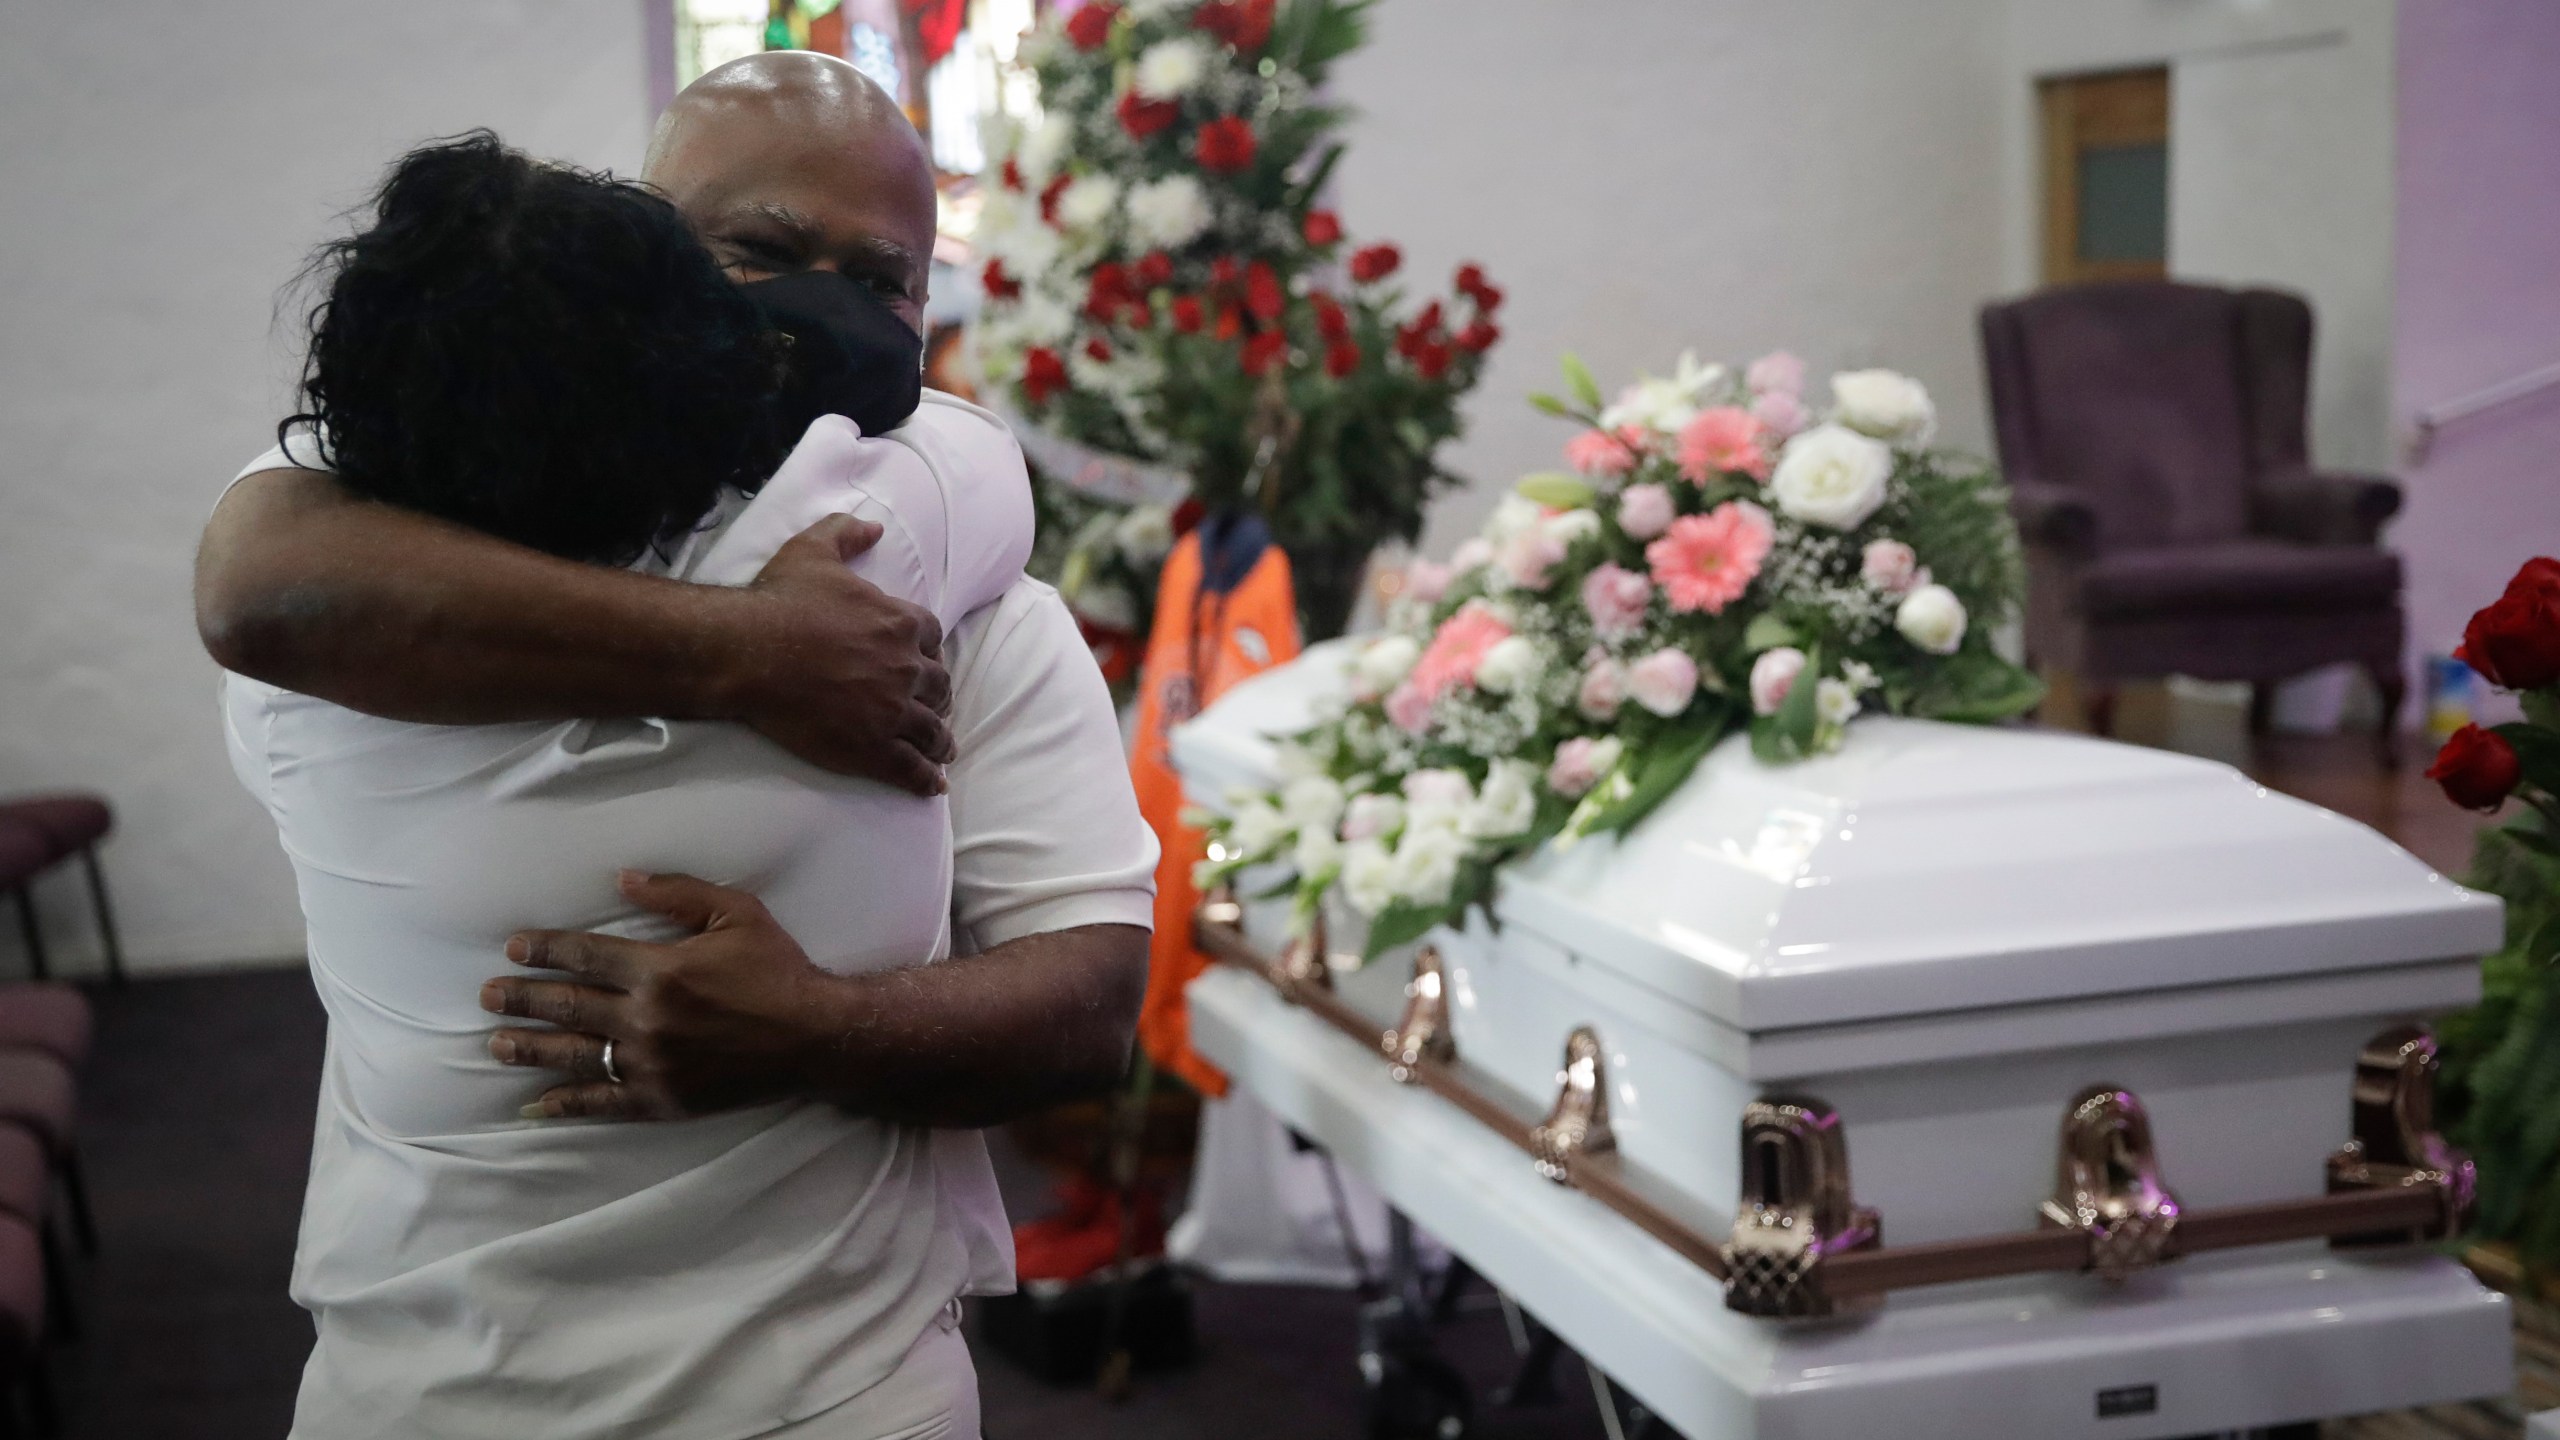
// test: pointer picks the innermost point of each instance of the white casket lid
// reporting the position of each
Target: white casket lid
(1929, 867)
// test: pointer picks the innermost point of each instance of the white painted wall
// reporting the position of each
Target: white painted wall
(2280, 167)
(167, 165)
(1649, 175)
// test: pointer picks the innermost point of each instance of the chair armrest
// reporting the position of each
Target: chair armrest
(2051, 517)
(2314, 508)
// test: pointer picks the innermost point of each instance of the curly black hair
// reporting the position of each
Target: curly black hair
(540, 352)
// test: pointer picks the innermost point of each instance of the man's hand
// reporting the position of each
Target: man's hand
(735, 1014)
(840, 673)
(702, 1024)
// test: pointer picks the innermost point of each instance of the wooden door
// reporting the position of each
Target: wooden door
(2106, 176)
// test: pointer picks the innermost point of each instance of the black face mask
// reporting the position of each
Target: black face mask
(849, 355)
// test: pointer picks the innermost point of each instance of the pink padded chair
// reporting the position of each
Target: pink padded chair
(65, 825)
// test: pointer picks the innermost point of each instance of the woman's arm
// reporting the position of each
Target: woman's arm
(400, 615)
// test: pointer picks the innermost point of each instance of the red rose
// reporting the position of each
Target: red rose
(1264, 351)
(1107, 292)
(1187, 314)
(2515, 642)
(1432, 361)
(1154, 269)
(1099, 349)
(1479, 336)
(1143, 117)
(1090, 26)
(2477, 768)
(1377, 262)
(1331, 322)
(1224, 270)
(1322, 228)
(1470, 276)
(1341, 358)
(1049, 194)
(1245, 24)
(1011, 174)
(999, 285)
(1043, 374)
(1225, 146)
(1262, 293)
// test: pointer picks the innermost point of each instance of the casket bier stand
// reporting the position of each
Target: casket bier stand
(2118, 1048)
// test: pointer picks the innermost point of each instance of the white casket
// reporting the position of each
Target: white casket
(1937, 943)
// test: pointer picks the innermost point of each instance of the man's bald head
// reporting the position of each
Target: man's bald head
(791, 161)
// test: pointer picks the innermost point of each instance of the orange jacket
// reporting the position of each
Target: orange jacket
(1225, 612)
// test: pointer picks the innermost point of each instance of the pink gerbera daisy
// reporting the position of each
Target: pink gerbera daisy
(1723, 440)
(1602, 453)
(1705, 562)
(1449, 661)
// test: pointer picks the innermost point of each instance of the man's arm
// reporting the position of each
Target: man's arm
(736, 1015)
(401, 615)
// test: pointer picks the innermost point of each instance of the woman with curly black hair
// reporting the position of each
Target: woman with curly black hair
(549, 356)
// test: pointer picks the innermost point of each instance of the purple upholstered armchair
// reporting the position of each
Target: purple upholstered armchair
(2152, 434)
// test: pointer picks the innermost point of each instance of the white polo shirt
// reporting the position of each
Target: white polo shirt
(474, 1274)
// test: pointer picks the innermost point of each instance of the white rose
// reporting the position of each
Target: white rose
(1512, 517)
(1387, 660)
(1168, 214)
(1371, 816)
(1145, 534)
(1317, 852)
(1883, 403)
(1043, 148)
(1427, 864)
(1256, 829)
(1170, 68)
(1087, 201)
(1312, 802)
(1831, 475)
(1368, 876)
(1932, 618)
(1835, 702)
(1513, 661)
(1572, 525)
(1507, 804)
(1773, 675)
(1436, 797)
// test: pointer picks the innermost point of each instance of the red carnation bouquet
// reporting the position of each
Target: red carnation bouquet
(1162, 286)
(2502, 1060)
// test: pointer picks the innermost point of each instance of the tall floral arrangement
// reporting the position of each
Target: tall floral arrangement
(1720, 555)
(2502, 1059)
(1162, 285)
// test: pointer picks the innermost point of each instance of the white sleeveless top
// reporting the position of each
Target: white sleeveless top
(475, 1274)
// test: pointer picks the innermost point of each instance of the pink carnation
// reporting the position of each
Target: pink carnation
(1776, 373)
(1576, 767)
(1645, 511)
(1604, 689)
(1616, 598)
(1427, 581)
(1663, 682)
(1773, 676)
(1720, 440)
(1529, 555)
(1779, 413)
(1447, 663)
(1892, 567)
(1705, 562)
(1602, 452)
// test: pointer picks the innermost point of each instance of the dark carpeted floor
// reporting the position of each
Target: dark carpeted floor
(197, 1127)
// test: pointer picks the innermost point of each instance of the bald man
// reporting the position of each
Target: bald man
(783, 163)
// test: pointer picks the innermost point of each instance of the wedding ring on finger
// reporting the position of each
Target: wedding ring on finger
(611, 1072)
